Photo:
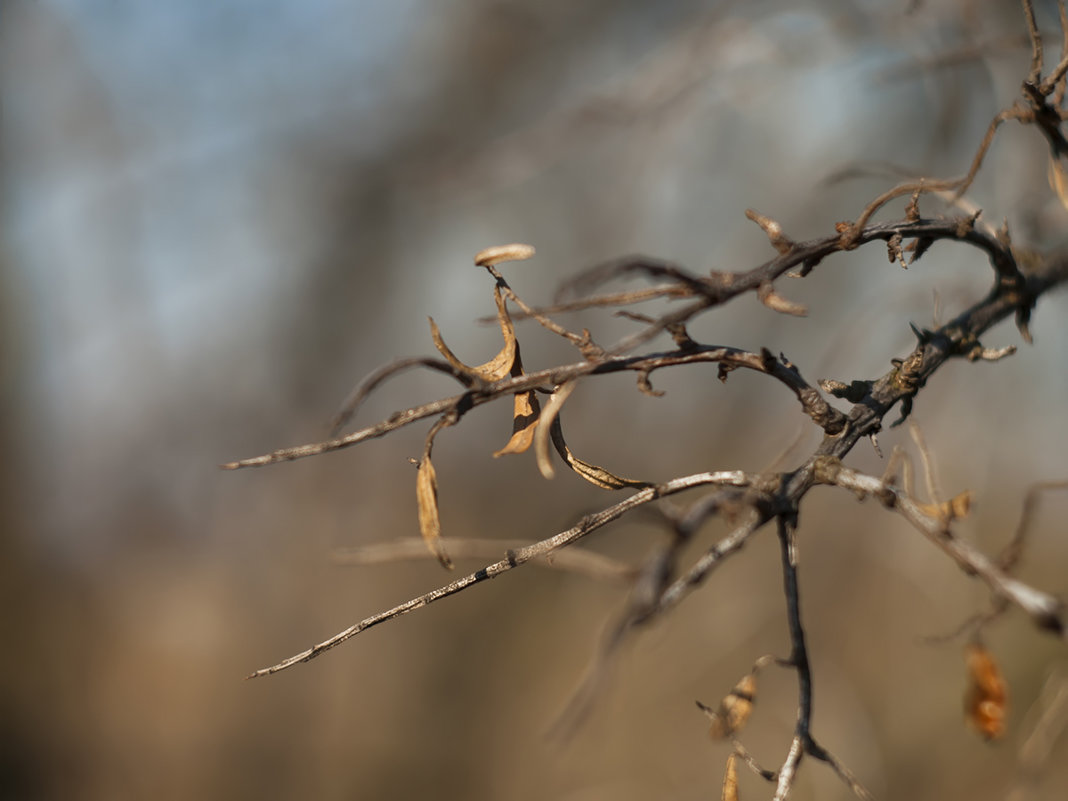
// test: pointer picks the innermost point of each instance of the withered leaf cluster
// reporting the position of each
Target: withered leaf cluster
(530, 422)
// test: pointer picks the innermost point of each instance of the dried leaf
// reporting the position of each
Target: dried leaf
(730, 779)
(735, 708)
(506, 362)
(497, 367)
(597, 476)
(426, 492)
(499, 253)
(986, 701)
(526, 410)
(546, 423)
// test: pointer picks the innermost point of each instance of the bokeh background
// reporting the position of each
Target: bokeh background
(218, 216)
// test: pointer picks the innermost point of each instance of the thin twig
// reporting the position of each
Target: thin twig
(575, 560)
(1036, 42)
(518, 557)
(1011, 553)
(1046, 611)
(352, 403)
(798, 658)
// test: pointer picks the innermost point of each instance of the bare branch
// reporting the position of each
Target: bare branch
(1046, 611)
(1036, 42)
(1010, 555)
(788, 771)
(352, 403)
(575, 560)
(518, 557)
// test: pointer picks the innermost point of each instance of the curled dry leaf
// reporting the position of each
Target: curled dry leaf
(526, 410)
(734, 710)
(730, 779)
(506, 362)
(500, 253)
(546, 424)
(426, 492)
(597, 476)
(986, 700)
(497, 367)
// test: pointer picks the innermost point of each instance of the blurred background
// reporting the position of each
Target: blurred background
(217, 217)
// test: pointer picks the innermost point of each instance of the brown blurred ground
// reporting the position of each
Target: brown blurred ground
(141, 583)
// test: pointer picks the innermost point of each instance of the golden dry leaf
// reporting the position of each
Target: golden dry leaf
(987, 698)
(730, 779)
(547, 424)
(1058, 179)
(499, 253)
(526, 410)
(735, 708)
(426, 492)
(506, 362)
(497, 367)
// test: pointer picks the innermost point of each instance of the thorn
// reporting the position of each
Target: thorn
(924, 335)
(1023, 317)
(906, 410)
(920, 246)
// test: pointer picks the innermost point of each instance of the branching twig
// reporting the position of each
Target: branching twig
(1046, 611)
(587, 525)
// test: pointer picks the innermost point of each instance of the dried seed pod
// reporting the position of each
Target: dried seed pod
(426, 493)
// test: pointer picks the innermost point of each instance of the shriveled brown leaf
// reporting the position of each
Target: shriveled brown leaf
(507, 362)
(730, 779)
(497, 367)
(597, 476)
(500, 253)
(987, 698)
(426, 492)
(734, 710)
(546, 424)
(526, 410)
